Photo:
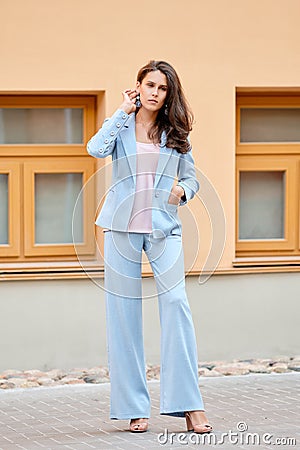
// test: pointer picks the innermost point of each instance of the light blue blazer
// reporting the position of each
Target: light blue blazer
(117, 138)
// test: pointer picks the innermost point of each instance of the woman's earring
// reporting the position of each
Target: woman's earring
(138, 101)
(166, 110)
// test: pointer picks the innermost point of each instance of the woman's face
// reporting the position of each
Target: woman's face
(153, 90)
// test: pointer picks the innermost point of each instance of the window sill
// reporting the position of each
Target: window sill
(94, 269)
(51, 270)
(266, 261)
(266, 264)
(256, 265)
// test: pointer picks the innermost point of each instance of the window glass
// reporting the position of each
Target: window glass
(270, 125)
(261, 205)
(3, 209)
(55, 198)
(41, 126)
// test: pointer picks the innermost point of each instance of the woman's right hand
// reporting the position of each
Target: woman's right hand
(129, 99)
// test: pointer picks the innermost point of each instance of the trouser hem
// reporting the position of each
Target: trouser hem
(179, 413)
(129, 416)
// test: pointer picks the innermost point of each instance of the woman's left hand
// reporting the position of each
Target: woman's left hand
(176, 194)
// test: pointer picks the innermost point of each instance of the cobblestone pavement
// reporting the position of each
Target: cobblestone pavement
(11, 378)
(77, 416)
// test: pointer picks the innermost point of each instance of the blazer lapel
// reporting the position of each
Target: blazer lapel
(164, 156)
(129, 141)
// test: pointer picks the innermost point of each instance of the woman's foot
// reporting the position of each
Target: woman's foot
(197, 421)
(138, 425)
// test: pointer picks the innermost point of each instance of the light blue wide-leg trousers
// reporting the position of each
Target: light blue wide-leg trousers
(179, 389)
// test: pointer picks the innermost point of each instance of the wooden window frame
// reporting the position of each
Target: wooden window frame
(12, 169)
(87, 103)
(53, 166)
(50, 263)
(268, 163)
(263, 101)
(282, 156)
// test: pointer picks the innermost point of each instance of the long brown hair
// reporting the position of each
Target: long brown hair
(177, 123)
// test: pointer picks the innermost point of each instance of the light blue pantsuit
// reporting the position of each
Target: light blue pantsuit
(179, 364)
(123, 254)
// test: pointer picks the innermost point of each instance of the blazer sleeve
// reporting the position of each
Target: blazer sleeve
(103, 142)
(187, 177)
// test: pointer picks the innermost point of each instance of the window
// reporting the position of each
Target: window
(43, 169)
(268, 175)
(9, 208)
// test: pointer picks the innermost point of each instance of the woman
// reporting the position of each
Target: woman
(153, 173)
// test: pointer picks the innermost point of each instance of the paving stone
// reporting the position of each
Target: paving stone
(203, 371)
(294, 366)
(259, 368)
(77, 416)
(72, 380)
(10, 373)
(265, 361)
(17, 381)
(279, 367)
(232, 369)
(29, 384)
(34, 373)
(6, 385)
(213, 373)
(95, 379)
(100, 374)
(56, 374)
(45, 381)
(101, 371)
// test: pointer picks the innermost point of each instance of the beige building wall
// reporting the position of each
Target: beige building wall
(49, 324)
(216, 46)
